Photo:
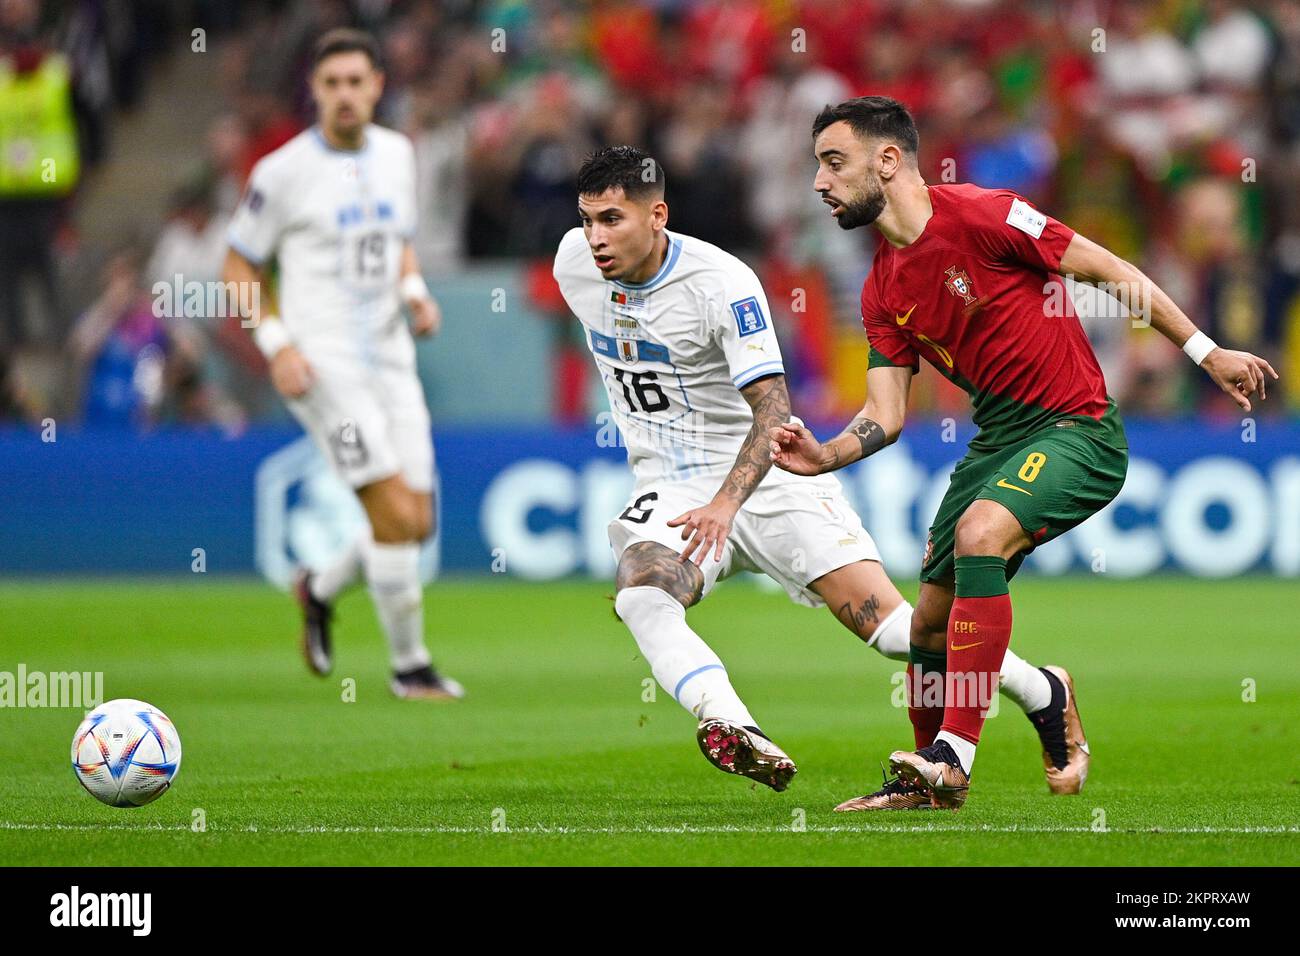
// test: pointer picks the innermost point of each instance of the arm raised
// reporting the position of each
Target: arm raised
(1239, 374)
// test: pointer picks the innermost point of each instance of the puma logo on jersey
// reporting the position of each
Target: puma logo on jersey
(902, 319)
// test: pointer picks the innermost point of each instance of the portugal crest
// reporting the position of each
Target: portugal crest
(958, 283)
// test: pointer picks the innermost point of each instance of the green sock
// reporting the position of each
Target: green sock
(928, 660)
(983, 576)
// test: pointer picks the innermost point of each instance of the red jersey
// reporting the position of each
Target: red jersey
(977, 294)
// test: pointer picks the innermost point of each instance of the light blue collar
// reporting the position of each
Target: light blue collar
(670, 260)
(325, 145)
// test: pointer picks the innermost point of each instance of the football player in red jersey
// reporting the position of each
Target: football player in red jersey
(968, 278)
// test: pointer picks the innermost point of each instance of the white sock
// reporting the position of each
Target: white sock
(328, 584)
(1024, 683)
(1021, 681)
(682, 663)
(892, 635)
(963, 748)
(393, 573)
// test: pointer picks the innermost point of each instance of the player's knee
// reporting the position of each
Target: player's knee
(417, 527)
(420, 522)
(977, 535)
(643, 576)
(383, 528)
(650, 565)
(410, 516)
(394, 520)
(415, 523)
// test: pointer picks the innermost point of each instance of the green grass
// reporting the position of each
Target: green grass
(555, 734)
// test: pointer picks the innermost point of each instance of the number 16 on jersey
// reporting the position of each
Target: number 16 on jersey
(641, 390)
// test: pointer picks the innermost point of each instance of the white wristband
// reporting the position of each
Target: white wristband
(270, 336)
(413, 287)
(1199, 346)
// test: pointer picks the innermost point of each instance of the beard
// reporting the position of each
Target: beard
(863, 210)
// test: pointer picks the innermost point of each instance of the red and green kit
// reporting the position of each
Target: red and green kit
(978, 296)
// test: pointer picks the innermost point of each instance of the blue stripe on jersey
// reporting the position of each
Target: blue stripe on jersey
(652, 352)
(758, 371)
(645, 351)
(682, 467)
(603, 344)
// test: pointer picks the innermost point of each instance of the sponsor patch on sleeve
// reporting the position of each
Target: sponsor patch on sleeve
(749, 316)
(1026, 218)
(255, 200)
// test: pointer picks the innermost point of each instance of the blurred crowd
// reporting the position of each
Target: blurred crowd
(1167, 130)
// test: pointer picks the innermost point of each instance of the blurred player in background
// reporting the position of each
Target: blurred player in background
(969, 278)
(681, 335)
(335, 206)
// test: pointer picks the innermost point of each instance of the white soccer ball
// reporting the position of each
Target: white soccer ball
(126, 753)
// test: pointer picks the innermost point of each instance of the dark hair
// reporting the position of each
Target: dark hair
(628, 168)
(873, 117)
(346, 40)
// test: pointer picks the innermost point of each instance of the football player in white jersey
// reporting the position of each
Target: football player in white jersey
(682, 336)
(335, 207)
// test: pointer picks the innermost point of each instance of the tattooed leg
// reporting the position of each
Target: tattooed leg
(864, 600)
(654, 589)
(647, 564)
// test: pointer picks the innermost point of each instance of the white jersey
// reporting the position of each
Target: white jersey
(674, 353)
(336, 221)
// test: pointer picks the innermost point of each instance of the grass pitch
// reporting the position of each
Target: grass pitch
(556, 758)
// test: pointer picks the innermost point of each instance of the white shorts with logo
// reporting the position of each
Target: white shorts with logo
(793, 530)
(369, 418)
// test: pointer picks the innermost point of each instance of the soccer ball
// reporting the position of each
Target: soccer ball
(126, 753)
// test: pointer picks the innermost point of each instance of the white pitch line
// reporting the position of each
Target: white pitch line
(684, 829)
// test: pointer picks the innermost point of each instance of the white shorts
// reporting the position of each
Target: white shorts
(370, 421)
(794, 530)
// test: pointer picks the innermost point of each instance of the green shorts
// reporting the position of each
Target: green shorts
(1051, 481)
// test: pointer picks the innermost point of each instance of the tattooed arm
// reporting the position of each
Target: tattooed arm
(708, 527)
(770, 402)
(795, 449)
